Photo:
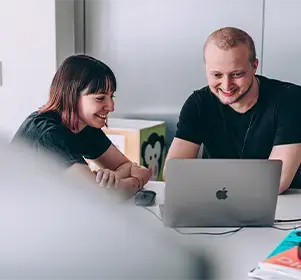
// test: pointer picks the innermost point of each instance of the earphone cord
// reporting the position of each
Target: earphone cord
(229, 231)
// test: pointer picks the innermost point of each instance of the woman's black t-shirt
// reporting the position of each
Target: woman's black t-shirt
(45, 132)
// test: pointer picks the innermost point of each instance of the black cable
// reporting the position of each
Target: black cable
(287, 220)
(158, 217)
(226, 232)
(190, 233)
(209, 233)
(291, 228)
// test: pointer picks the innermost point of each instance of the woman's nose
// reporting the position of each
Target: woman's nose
(110, 104)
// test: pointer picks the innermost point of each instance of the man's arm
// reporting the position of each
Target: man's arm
(189, 134)
(287, 143)
(291, 159)
(181, 149)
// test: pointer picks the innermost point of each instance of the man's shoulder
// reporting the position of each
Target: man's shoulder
(280, 95)
(280, 87)
(202, 96)
(203, 92)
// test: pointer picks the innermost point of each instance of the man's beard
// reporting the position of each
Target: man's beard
(239, 98)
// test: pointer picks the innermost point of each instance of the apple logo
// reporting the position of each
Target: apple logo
(221, 194)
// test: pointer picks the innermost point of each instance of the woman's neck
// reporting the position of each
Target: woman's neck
(81, 126)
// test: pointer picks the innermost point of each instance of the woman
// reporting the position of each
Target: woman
(69, 125)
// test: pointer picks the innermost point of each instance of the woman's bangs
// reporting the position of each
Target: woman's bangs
(106, 85)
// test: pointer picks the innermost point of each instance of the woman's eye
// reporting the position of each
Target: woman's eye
(102, 98)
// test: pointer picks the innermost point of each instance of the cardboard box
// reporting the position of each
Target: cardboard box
(142, 141)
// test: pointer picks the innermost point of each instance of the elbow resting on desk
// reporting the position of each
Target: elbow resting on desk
(282, 188)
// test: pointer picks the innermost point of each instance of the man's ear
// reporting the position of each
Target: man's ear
(255, 65)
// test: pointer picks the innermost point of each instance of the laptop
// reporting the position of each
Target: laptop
(221, 192)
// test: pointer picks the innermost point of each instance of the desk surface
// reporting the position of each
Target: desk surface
(232, 256)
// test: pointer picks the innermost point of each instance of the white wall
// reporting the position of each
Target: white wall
(28, 55)
(36, 36)
(155, 48)
(282, 40)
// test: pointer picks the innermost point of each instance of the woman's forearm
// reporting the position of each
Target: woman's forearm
(124, 170)
(132, 175)
(131, 183)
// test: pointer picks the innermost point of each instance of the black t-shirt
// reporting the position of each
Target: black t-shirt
(45, 132)
(274, 120)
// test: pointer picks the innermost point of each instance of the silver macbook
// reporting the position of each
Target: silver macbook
(221, 192)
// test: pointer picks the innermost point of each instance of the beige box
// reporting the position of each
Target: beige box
(142, 141)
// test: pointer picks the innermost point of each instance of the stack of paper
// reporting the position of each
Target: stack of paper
(283, 263)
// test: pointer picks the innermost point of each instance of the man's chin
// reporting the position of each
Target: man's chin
(229, 100)
(232, 99)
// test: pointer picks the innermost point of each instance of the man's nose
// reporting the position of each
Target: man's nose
(226, 84)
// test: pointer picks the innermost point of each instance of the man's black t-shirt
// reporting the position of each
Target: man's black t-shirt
(45, 132)
(274, 120)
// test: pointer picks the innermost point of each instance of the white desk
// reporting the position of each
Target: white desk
(232, 256)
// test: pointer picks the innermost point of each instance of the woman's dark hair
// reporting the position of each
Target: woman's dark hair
(77, 74)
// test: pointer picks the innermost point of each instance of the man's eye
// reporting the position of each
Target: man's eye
(217, 75)
(100, 99)
(236, 75)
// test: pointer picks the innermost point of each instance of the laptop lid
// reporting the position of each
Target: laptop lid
(221, 192)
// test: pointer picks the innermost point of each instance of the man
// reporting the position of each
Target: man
(240, 114)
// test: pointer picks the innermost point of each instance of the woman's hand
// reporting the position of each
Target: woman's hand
(141, 173)
(107, 178)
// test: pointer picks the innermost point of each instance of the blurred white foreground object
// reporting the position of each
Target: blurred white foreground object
(56, 228)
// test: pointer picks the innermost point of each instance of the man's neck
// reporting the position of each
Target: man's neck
(249, 100)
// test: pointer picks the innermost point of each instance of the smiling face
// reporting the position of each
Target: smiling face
(230, 73)
(93, 109)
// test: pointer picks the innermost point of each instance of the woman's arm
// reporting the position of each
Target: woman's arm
(130, 175)
(114, 160)
(128, 186)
